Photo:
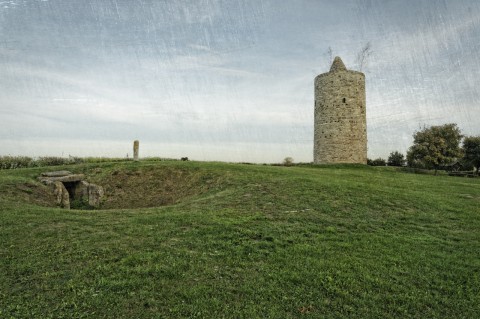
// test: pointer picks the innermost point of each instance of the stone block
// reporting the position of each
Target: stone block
(64, 179)
(136, 146)
(56, 174)
(95, 195)
(61, 195)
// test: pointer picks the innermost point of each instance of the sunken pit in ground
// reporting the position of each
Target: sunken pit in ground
(123, 187)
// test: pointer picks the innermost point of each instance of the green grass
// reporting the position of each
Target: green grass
(258, 242)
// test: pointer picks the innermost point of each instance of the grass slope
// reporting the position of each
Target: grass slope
(259, 242)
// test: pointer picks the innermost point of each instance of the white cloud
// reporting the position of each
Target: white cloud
(245, 75)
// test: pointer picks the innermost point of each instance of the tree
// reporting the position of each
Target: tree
(471, 147)
(435, 146)
(396, 159)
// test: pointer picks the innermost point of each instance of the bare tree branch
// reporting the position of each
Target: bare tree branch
(330, 55)
(363, 55)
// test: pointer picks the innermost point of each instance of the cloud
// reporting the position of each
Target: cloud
(216, 71)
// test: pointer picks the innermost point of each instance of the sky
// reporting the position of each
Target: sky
(226, 80)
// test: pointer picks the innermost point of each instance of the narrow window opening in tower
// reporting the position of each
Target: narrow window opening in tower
(344, 100)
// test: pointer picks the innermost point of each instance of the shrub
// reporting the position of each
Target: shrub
(396, 159)
(13, 162)
(52, 161)
(377, 162)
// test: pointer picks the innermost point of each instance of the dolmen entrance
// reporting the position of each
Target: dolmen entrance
(68, 187)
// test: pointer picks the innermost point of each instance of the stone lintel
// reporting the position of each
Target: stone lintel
(63, 179)
(56, 174)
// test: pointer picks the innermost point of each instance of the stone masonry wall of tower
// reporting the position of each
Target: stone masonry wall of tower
(340, 128)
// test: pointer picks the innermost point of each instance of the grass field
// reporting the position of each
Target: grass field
(216, 240)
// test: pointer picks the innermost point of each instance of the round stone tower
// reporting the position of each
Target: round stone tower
(340, 129)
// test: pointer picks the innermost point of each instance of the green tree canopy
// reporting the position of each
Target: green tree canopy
(396, 159)
(435, 146)
(471, 147)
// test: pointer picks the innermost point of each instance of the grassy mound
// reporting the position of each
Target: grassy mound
(131, 185)
(244, 241)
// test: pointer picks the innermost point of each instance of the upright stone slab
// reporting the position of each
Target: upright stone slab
(61, 195)
(95, 195)
(90, 193)
(136, 145)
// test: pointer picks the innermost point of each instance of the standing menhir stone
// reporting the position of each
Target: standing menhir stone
(136, 145)
(340, 133)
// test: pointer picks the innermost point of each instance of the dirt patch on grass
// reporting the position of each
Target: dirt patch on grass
(152, 186)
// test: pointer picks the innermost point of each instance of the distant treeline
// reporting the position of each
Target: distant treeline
(438, 147)
(14, 162)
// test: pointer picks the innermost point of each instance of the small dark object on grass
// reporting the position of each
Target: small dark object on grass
(184, 159)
